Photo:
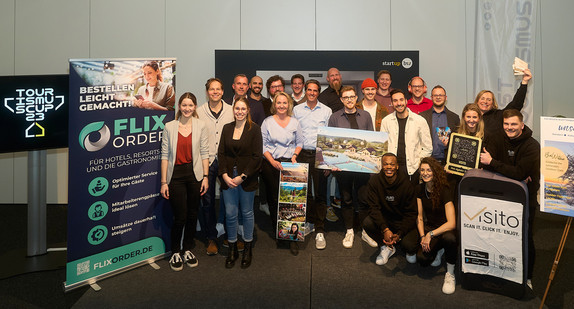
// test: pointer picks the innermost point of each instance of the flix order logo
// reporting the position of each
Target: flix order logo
(91, 130)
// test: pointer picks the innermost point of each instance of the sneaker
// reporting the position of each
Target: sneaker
(190, 259)
(331, 216)
(529, 284)
(411, 258)
(438, 258)
(264, 208)
(212, 247)
(449, 283)
(366, 238)
(348, 240)
(309, 228)
(176, 263)
(385, 254)
(336, 203)
(320, 242)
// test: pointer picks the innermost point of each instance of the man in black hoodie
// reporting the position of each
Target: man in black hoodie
(392, 208)
(517, 155)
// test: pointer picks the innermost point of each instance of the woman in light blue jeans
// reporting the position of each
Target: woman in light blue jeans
(239, 156)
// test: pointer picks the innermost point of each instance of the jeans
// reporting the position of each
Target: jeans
(207, 210)
(237, 199)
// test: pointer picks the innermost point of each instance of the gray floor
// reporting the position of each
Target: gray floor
(330, 278)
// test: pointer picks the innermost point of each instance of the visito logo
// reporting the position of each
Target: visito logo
(99, 127)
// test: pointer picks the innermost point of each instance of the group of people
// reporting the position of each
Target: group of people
(410, 203)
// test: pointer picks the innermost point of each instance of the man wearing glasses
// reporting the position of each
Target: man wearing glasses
(274, 84)
(418, 102)
(441, 123)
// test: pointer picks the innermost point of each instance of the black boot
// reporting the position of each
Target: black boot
(232, 255)
(246, 259)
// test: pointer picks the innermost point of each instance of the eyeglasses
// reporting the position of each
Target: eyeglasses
(276, 87)
(438, 95)
(349, 98)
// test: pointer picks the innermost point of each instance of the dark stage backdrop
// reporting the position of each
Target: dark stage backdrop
(355, 66)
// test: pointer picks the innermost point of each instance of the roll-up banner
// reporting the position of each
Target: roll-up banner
(117, 219)
(504, 30)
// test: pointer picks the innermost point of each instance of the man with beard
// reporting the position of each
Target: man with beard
(516, 155)
(368, 103)
(274, 84)
(331, 95)
(418, 102)
(392, 208)
(255, 100)
(441, 123)
(409, 136)
(383, 96)
(240, 87)
(297, 83)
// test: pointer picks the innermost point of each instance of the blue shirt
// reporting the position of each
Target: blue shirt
(280, 142)
(309, 120)
(439, 123)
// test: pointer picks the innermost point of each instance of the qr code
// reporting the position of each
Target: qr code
(507, 263)
(83, 268)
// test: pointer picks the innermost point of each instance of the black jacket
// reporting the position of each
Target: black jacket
(392, 205)
(493, 118)
(247, 158)
(517, 158)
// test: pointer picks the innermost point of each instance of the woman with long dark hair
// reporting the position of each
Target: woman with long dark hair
(436, 222)
(239, 156)
(155, 94)
(184, 170)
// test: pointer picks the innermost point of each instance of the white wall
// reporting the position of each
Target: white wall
(38, 37)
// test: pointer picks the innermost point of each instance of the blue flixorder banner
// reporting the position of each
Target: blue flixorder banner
(117, 219)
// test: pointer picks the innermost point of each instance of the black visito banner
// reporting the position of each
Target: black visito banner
(34, 111)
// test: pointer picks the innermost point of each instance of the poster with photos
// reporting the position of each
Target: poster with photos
(557, 165)
(292, 204)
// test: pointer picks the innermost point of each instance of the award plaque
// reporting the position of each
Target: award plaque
(463, 153)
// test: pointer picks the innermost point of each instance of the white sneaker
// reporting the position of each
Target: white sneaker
(438, 258)
(176, 263)
(366, 238)
(348, 240)
(385, 254)
(411, 258)
(309, 228)
(331, 216)
(320, 242)
(449, 284)
(264, 208)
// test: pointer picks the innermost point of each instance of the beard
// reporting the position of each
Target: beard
(336, 84)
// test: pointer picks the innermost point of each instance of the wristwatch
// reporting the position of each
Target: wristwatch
(431, 234)
(243, 177)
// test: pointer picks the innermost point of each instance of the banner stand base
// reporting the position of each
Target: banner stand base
(95, 287)
(20, 263)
